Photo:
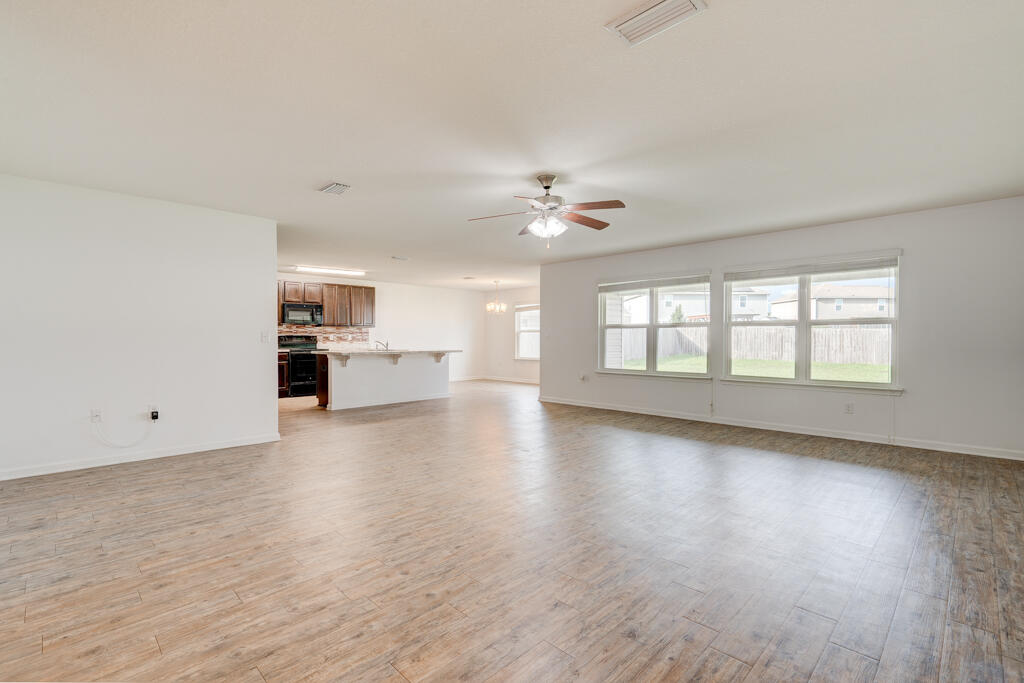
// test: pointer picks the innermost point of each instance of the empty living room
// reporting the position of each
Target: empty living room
(607, 340)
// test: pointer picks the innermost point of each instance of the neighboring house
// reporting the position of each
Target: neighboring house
(839, 301)
(749, 303)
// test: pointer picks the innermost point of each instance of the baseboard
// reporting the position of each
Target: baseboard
(868, 437)
(431, 397)
(492, 378)
(118, 458)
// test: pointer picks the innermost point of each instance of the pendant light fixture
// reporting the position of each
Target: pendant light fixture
(496, 306)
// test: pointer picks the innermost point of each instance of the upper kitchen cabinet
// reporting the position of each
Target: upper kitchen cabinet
(361, 313)
(336, 305)
(312, 293)
(292, 293)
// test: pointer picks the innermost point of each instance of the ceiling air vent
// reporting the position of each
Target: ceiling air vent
(334, 188)
(651, 18)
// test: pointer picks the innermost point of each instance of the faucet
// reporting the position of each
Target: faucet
(381, 344)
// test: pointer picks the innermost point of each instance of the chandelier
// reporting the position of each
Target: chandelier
(496, 306)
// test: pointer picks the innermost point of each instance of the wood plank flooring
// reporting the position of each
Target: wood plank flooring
(492, 537)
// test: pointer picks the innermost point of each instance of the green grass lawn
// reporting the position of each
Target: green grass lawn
(745, 367)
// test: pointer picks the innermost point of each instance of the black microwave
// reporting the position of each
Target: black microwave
(302, 314)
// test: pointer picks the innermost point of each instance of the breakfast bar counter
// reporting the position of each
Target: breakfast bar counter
(355, 378)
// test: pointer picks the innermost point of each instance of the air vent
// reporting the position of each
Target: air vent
(651, 18)
(334, 188)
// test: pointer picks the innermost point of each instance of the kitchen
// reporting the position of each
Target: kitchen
(325, 350)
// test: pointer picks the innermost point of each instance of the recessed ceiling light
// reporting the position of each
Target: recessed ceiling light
(328, 271)
(334, 188)
(468, 277)
(400, 258)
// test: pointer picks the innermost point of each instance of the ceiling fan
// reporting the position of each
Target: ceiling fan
(551, 211)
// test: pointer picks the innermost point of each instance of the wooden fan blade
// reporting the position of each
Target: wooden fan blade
(585, 220)
(499, 215)
(526, 229)
(590, 206)
(533, 202)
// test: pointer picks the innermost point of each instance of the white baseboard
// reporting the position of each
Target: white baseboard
(118, 458)
(491, 378)
(967, 449)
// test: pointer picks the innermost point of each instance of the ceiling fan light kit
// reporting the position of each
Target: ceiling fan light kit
(551, 212)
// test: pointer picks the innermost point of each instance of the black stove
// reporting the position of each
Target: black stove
(301, 363)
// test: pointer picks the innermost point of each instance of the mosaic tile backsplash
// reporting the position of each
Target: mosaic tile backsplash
(330, 335)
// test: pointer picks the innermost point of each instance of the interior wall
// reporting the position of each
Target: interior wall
(960, 341)
(418, 317)
(501, 339)
(119, 303)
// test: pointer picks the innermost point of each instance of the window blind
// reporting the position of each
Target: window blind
(646, 284)
(884, 261)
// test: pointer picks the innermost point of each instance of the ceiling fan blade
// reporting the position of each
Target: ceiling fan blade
(585, 220)
(533, 202)
(590, 206)
(498, 215)
(526, 229)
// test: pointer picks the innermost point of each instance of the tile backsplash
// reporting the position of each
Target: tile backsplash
(329, 335)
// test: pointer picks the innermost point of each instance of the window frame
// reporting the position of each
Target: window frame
(523, 308)
(804, 324)
(652, 326)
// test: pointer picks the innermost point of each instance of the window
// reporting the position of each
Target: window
(528, 332)
(743, 300)
(823, 324)
(655, 327)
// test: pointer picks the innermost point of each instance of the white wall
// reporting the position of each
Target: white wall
(501, 339)
(118, 303)
(417, 317)
(961, 350)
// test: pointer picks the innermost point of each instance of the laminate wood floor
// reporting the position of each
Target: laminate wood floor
(492, 537)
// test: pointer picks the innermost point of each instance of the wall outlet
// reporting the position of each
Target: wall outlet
(848, 409)
(154, 413)
(264, 337)
(96, 415)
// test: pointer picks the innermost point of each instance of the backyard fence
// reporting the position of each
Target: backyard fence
(868, 344)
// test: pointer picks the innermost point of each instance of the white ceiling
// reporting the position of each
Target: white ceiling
(754, 116)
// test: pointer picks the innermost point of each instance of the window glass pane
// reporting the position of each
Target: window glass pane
(684, 303)
(683, 349)
(625, 348)
(528, 320)
(853, 294)
(529, 344)
(627, 308)
(764, 351)
(852, 353)
(769, 299)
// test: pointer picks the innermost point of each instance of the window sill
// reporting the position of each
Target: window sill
(653, 375)
(887, 389)
(518, 358)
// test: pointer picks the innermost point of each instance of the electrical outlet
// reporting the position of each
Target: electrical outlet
(264, 337)
(154, 413)
(96, 415)
(848, 409)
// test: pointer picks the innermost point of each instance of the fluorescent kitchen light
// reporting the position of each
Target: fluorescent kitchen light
(328, 271)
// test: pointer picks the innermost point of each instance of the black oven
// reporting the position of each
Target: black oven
(302, 314)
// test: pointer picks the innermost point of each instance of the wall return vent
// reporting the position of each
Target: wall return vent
(651, 18)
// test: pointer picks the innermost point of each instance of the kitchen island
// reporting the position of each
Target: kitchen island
(355, 378)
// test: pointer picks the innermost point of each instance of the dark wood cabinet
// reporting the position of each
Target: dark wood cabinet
(321, 380)
(280, 300)
(292, 293)
(312, 293)
(282, 374)
(344, 305)
(361, 307)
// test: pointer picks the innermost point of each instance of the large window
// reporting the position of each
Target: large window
(655, 327)
(527, 332)
(826, 324)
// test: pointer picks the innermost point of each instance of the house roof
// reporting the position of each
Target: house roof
(827, 291)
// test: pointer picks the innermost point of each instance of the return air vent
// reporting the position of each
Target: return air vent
(651, 18)
(334, 188)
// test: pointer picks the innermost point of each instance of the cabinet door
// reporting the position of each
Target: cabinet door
(355, 311)
(342, 315)
(282, 375)
(312, 293)
(293, 292)
(369, 302)
(280, 299)
(330, 305)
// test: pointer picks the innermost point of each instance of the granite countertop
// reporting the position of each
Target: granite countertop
(381, 352)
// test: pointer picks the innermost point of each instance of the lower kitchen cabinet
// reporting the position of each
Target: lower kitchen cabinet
(282, 375)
